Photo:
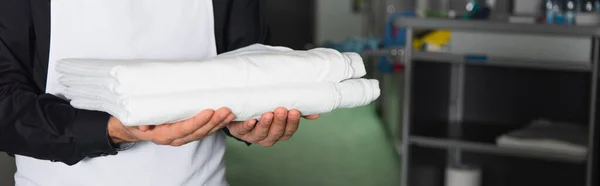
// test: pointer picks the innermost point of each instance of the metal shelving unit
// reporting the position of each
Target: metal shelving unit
(458, 64)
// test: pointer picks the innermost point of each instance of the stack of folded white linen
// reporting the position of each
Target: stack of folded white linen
(249, 81)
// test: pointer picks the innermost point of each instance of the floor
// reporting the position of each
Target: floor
(7, 169)
(347, 147)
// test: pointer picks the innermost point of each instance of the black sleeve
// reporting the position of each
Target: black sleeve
(32, 123)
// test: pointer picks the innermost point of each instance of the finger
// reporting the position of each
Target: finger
(249, 125)
(144, 128)
(242, 128)
(184, 128)
(262, 128)
(205, 130)
(312, 117)
(223, 124)
(293, 122)
(278, 126)
(200, 134)
(219, 118)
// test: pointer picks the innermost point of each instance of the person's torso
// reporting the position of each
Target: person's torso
(237, 23)
(127, 29)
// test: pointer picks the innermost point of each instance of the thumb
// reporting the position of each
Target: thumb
(144, 128)
(242, 128)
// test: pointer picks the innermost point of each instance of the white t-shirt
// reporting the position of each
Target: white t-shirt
(131, 29)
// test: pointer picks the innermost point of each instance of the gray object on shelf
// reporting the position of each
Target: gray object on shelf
(526, 7)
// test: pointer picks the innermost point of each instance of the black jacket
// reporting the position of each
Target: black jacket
(46, 127)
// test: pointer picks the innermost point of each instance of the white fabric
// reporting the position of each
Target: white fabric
(256, 48)
(131, 29)
(549, 136)
(256, 65)
(246, 103)
(544, 145)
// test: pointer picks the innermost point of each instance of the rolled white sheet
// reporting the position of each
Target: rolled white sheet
(246, 103)
(252, 66)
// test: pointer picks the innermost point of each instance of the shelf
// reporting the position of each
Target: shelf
(384, 52)
(445, 57)
(491, 149)
(503, 61)
(499, 26)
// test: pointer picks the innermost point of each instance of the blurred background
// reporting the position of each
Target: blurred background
(474, 93)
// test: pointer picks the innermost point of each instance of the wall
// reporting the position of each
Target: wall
(336, 20)
(7, 169)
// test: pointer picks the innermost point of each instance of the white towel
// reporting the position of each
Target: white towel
(256, 65)
(549, 136)
(246, 103)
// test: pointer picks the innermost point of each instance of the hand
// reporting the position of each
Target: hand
(273, 127)
(199, 127)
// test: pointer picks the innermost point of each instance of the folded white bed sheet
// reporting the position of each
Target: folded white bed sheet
(256, 65)
(246, 103)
